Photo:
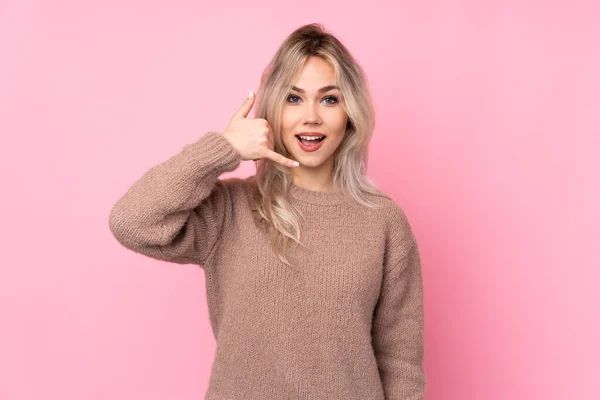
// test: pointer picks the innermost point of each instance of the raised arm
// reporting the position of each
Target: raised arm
(177, 210)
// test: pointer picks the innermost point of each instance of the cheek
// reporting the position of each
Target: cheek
(288, 118)
(285, 116)
(338, 121)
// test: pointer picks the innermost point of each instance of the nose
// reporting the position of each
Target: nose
(312, 115)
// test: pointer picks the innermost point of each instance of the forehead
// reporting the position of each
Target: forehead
(315, 74)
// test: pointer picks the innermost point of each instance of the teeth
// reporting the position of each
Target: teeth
(311, 137)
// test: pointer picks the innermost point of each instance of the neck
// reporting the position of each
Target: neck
(316, 179)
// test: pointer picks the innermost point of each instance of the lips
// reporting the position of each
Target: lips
(310, 145)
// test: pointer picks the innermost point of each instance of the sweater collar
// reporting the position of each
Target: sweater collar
(316, 197)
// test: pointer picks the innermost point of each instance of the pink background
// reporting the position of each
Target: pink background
(487, 136)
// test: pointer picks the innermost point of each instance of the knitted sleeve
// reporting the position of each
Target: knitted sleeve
(177, 210)
(398, 329)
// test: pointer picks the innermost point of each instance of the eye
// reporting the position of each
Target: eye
(291, 97)
(333, 98)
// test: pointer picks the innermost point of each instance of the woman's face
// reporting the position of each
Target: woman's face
(313, 108)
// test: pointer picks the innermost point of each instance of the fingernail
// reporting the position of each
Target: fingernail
(296, 163)
(250, 94)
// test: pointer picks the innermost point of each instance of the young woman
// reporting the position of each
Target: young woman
(313, 275)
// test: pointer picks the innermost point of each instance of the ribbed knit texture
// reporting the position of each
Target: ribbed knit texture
(345, 321)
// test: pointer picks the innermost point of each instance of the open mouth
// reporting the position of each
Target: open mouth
(310, 140)
(310, 143)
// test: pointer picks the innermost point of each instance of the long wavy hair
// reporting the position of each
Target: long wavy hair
(270, 201)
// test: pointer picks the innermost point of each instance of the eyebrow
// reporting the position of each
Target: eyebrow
(322, 90)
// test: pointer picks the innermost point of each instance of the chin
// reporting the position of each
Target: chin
(309, 164)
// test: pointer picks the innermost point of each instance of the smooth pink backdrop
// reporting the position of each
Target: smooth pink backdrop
(487, 136)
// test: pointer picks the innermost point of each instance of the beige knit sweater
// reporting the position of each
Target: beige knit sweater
(344, 322)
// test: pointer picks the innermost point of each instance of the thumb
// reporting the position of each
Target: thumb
(246, 106)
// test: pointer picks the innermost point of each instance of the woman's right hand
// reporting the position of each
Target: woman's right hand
(253, 138)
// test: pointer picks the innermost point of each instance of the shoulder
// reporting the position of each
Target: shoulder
(396, 224)
(239, 189)
(390, 210)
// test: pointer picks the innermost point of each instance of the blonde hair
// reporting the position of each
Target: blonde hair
(273, 180)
